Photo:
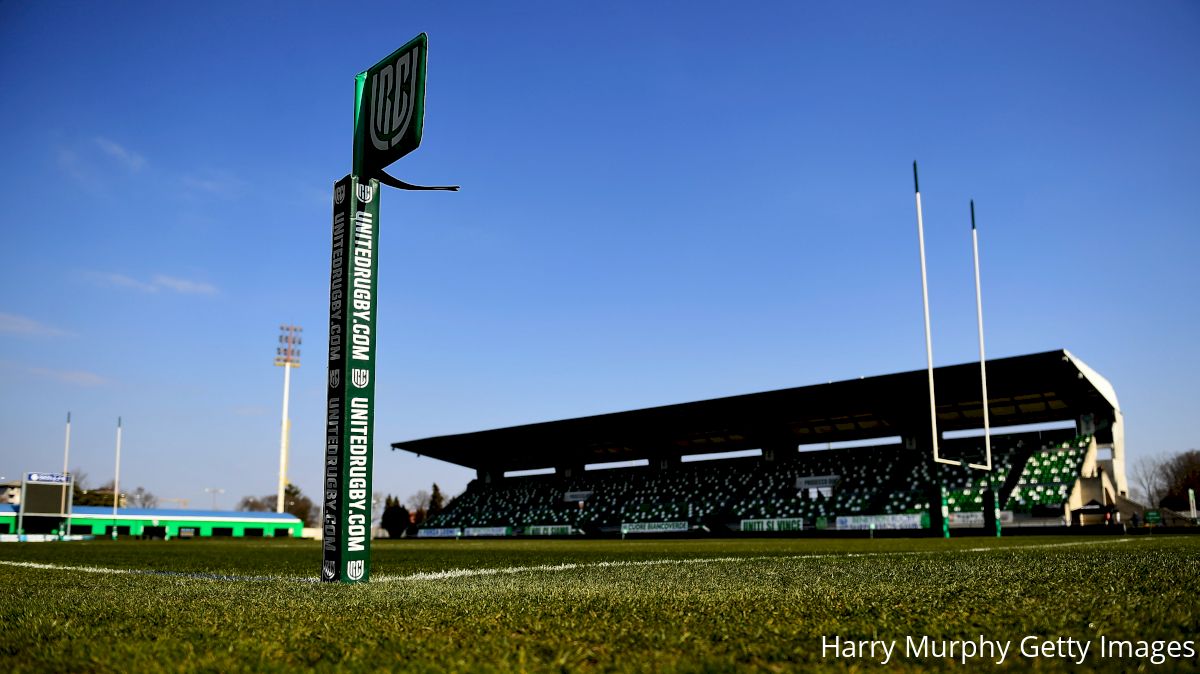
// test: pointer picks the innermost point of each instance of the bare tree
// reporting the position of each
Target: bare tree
(1181, 473)
(418, 501)
(140, 498)
(378, 503)
(1165, 481)
(418, 506)
(1149, 479)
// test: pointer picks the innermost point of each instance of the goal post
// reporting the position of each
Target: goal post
(933, 421)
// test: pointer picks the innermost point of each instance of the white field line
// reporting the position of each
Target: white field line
(60, 567)
(149, 572)
(571, 566)
(548, 568)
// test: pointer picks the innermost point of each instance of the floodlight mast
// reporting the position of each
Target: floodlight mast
(117, 480)
(287, 356)
(214, 491)
(66, 458)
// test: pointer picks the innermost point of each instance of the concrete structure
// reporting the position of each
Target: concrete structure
(162, 523)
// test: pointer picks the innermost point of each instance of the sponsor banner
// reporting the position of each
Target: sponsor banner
(452, 532)
(652, 527)
(817, 481)
(975, 519)
(349, 434)
(906, 521)
(776, 524)
(47, 478)
(548, 530)
(41, 538)
(573, 496)
(487, 531)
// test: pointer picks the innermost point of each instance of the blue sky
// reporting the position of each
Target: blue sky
(661, 202)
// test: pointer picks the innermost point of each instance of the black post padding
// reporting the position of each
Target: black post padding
(989, 510)
(934, 493)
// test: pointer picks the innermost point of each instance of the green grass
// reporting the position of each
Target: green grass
(767, 609)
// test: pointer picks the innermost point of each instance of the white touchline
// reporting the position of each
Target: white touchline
(204, 575)
(62, 567)
(549, 568)
(510, 570)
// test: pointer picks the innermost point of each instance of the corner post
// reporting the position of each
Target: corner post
(349, 438)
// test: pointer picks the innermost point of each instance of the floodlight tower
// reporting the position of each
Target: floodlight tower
(66, 458)
(214, 491)
(287, 356)
(117, 480)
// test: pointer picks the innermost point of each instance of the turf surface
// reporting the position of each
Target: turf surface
(525, 605)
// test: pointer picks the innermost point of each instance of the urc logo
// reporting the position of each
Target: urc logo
(393, 94)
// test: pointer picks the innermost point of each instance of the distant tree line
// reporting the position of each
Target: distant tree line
(294, 502)
(81, 495)
(388, 512)
(1163, 482)
(398, 520)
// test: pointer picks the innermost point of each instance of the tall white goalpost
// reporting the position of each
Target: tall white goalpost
(987, 464)
(933, 425)
(987, 429)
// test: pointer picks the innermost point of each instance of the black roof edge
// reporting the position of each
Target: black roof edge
(471, 449)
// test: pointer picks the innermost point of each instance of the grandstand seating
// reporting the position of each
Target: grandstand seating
(518, 502)
(964, 485)
(771, 488)
(1049, 475)
(873, 480)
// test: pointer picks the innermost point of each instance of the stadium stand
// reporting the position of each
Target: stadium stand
(1049, 475)
(1039, 469)
(1039, 474)
(773, 492)
(964, 485)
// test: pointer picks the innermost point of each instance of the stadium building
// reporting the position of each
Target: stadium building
(853, 454)
(40, 507)
(17, 521)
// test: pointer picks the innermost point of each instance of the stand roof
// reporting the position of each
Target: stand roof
(1029, 389)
